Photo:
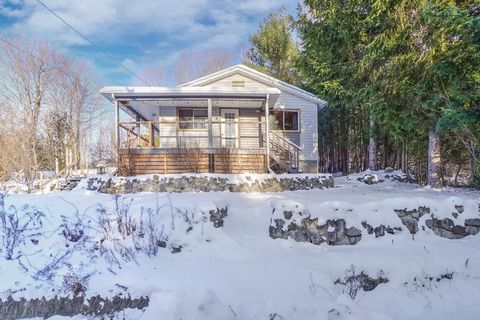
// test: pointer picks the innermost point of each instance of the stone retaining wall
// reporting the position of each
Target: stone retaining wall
(206, 183)
(11, 309)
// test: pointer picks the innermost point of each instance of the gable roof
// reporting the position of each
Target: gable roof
(257, 76)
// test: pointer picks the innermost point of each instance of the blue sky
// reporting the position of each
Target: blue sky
(140, 34)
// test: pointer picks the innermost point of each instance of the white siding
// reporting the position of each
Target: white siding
(308, 114)
(168, 113)
(308, 123)
(228, 82)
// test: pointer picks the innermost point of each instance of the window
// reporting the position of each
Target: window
(284, 120)
(193, 118)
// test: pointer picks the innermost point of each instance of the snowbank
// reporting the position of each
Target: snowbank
(214, 264)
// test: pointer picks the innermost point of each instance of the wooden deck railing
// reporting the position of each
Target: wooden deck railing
(174, 134)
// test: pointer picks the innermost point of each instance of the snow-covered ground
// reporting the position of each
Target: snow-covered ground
(237, 271)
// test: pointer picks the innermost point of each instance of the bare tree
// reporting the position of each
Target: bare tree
(153, 75)
(74, 104)
(27, 76)
(194, 64)
(48, 104)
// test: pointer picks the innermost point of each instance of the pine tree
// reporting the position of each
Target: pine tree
(272, 48)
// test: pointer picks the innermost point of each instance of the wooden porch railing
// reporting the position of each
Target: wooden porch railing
(174, 134)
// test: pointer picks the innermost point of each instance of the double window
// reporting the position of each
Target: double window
(194, 118)
(285, 120)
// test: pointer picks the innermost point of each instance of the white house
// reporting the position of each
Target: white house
(217, 123)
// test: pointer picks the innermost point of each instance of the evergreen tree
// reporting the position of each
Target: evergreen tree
(412, 66)
(272, 48)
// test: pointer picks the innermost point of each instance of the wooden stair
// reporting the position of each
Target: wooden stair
(284, 155)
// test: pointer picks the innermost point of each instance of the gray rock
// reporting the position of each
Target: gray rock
(64, 306)
(429, 223)
(460, 208)
(166, 183)
(379, 231)
(218, 216)
(175, 248)
(447, 224)
(310, 231)
(353, 232)
(369, 179)
(410, 218)
(472, 230)
(331, 237)
(354, 240)
(444, 228)
(287, 214)
(389, 170)
(361, 281)
(279, 223)
(411, 223)
(460, 231)
(316, 239)
(472, 222)
(162, 244)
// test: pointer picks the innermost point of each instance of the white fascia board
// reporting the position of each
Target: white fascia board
(159, 92)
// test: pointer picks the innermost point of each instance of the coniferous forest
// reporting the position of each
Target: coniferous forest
(401, 77)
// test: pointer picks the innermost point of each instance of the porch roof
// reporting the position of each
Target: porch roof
(164, 93)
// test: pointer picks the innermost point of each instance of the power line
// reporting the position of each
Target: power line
(92, 43)
(37, 58)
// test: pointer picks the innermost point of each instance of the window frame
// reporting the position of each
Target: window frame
(179, 122)
(283, 120)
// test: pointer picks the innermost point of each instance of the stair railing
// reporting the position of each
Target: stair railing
(284, 152)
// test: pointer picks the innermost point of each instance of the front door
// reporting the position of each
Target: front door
(229, 128)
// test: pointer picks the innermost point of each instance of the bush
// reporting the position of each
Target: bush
(17, 226)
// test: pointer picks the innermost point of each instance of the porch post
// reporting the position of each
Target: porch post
(267, 131)
(117, 124)
(210, 125)
(139, 140)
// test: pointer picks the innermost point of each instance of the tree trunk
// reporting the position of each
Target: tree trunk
(372, 148)
(474, 166)
(434, 161)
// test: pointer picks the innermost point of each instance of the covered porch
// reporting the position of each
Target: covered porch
(192, 129)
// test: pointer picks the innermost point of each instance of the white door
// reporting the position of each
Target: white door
(229, 128)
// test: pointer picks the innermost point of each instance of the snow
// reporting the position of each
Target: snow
(239, 272)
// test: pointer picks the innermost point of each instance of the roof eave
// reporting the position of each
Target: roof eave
(260, 77)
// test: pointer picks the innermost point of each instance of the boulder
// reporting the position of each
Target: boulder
(447, 224)
(288, 214)
(379, 231)
(370, 179)
(218, 216)
(460, 208)
(460, 231)
(410, 218)
(472, 222)
(445, 228)
(360, 281)
(334, 231)
(353, 232)
(472, 230)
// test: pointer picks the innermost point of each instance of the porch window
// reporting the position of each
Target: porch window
(284, 120)
(195, 118)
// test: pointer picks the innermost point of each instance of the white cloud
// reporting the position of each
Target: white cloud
(159, 29)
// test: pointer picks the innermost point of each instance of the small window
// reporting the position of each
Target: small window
(193, 119)
(284, 120)
(290, 120)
